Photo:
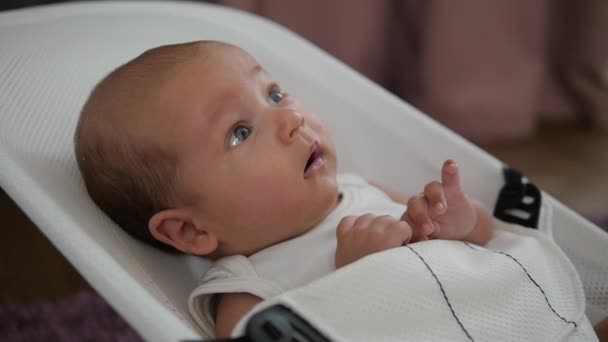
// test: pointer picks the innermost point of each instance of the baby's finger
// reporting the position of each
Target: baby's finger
(383, 221)
(435, 233)
(345, 225)
(418, 213)
(402, 231)
(436, 199)
(422, 238)
(364, 220)
(450, 175)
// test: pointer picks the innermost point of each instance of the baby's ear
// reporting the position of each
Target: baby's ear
(175, 227)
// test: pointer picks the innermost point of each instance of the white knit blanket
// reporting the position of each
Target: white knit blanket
(519, 287)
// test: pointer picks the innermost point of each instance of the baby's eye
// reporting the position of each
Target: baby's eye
(238, 135)
(275, 96)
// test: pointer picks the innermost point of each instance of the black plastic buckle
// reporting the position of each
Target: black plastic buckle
(277, 324)
(518, 201)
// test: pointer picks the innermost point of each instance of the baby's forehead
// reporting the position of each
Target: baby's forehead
(211, 80)
(230, 57)
(213, 76)
(220, 68)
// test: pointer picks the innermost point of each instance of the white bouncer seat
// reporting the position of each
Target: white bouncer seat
(52, 56)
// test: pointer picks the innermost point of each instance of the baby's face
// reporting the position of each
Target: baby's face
(259, 167)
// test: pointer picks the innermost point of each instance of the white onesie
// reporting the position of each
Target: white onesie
(550, 296)
(292, 263)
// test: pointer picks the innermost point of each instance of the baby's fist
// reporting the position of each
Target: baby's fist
(359, 236)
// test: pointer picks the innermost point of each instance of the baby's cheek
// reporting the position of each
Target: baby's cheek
(270, 210)
(315, 122)
(266, 194)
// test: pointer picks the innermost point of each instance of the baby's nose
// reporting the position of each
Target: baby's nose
(289, 123)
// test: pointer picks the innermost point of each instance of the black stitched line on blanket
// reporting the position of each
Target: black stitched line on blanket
(443, 292)
(529, 277)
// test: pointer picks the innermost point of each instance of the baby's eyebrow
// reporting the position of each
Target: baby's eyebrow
(256, 70)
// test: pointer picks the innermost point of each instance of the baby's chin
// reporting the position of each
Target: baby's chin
(327, 205)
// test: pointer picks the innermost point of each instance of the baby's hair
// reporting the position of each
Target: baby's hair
(129, 178)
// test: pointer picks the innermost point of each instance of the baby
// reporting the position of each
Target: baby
(195, 148)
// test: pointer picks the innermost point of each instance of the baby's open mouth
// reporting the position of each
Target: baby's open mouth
(315, 160)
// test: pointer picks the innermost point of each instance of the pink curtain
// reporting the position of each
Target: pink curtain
(489, 69)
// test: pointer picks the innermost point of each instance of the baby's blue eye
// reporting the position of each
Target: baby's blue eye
(275, 96)
(238, 135)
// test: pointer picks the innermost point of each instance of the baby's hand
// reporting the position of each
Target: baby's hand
(359, 236)
(443, 210)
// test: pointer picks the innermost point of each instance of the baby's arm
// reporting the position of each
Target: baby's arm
(231, 307)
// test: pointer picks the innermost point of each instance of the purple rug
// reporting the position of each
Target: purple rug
(81, 317)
